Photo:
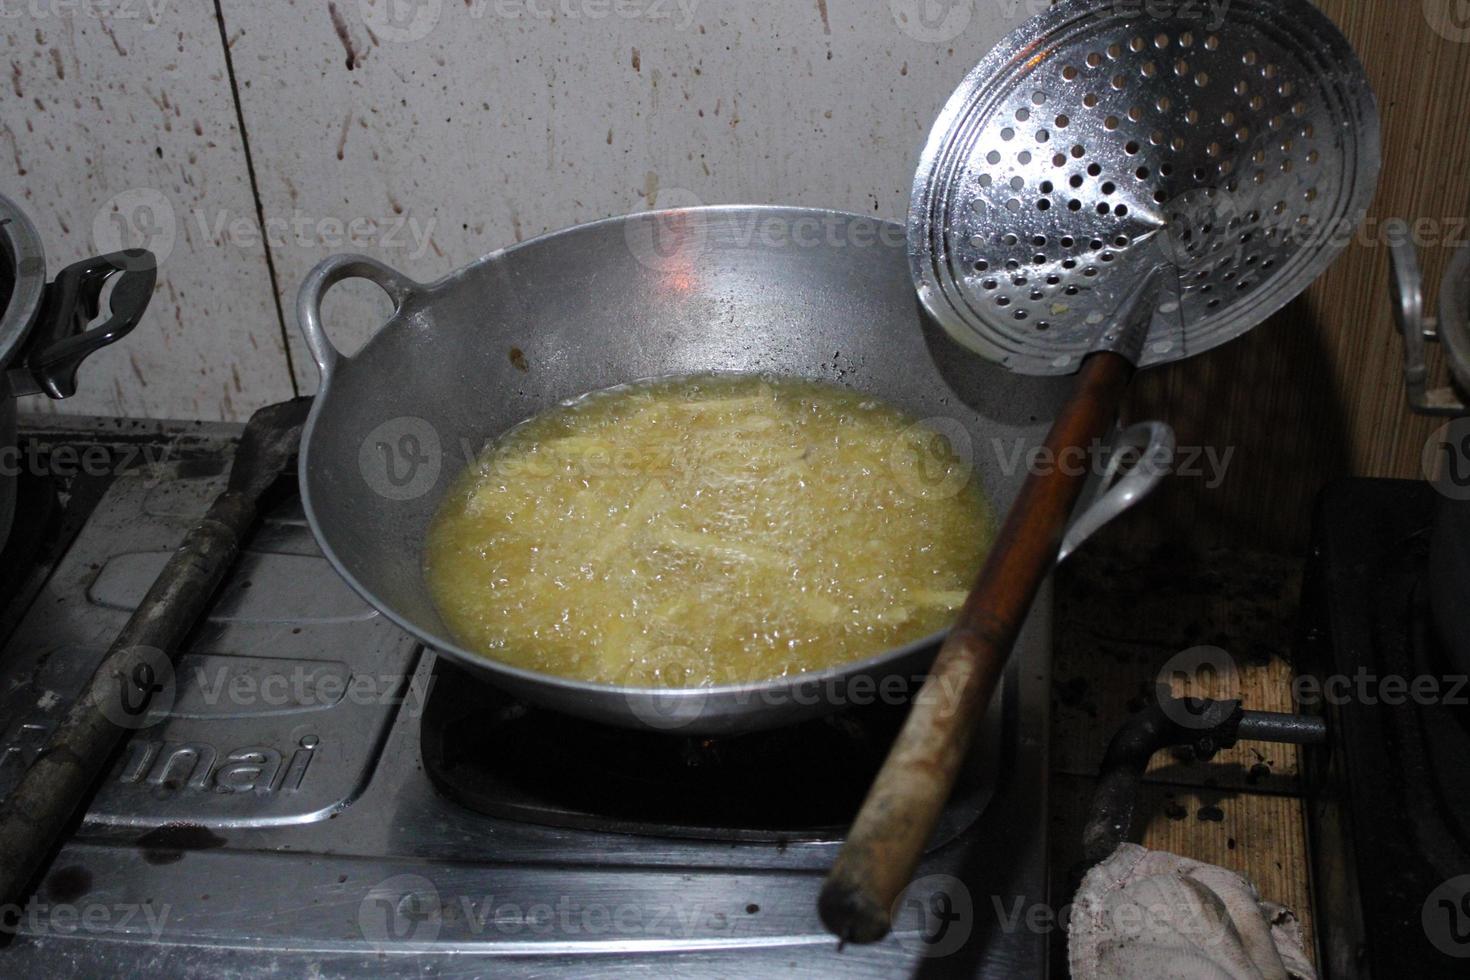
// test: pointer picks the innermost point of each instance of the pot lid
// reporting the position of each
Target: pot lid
(1454, 317)
(22, 277)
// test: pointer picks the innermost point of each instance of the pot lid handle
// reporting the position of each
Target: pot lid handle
(61, 341)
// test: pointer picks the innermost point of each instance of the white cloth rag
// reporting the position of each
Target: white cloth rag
(1145, 913)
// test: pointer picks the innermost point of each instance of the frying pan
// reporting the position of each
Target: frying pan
(814, 294)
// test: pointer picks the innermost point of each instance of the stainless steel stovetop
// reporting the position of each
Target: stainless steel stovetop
(277, 819)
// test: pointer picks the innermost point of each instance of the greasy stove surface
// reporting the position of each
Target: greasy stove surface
(275, 814)
(1390, 816)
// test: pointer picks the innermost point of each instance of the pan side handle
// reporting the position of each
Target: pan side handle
(1406, 288)
(1154, 442)
(327, 274)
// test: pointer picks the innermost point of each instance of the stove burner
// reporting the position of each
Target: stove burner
(500, 757)
(1390, 815)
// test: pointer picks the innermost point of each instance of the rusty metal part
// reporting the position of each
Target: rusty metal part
(1203, 724)
(53, 789)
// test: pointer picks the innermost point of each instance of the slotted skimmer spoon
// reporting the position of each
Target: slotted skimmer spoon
(1114, 186)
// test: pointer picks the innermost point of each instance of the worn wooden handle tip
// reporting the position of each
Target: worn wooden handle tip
(850, 913)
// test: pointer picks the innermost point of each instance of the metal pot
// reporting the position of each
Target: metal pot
(1449, 467)
(43, 328)
(1449, 549)
(816, 294)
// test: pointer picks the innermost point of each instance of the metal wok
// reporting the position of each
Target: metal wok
(816, 294)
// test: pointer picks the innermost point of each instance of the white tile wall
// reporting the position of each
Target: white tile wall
(428, 132)
(129, 117)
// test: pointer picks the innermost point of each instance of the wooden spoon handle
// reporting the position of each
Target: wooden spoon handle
(902, 807)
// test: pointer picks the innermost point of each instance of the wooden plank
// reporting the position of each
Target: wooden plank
(124, 113)
(1122, 618)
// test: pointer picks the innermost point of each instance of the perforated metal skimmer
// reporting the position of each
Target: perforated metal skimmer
(1101, 141)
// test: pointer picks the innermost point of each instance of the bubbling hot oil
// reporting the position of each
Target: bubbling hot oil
(706, 530)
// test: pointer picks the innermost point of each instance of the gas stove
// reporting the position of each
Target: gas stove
(1390, 794)
(314, 793)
